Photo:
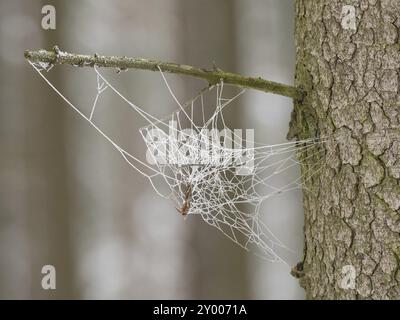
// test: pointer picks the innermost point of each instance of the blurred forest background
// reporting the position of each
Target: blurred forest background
(69, 200)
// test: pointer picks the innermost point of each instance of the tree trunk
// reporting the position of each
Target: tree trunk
(348, 66)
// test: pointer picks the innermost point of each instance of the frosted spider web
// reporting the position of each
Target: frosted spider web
(213, 189)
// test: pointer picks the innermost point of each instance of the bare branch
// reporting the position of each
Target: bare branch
(56, 56)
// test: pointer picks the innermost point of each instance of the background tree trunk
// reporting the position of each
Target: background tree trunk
(349, 69)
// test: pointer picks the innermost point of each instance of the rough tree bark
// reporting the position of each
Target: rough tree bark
(349, 69)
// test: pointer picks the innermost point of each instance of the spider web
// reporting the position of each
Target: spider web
(226, 186)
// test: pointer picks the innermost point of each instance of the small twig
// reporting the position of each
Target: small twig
(56, 56)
